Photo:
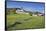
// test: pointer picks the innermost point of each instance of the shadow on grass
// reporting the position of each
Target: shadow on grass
(14, 24)
(30, 28)
(18, 23)
(27, 19)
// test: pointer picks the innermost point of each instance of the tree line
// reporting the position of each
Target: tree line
(13, 11)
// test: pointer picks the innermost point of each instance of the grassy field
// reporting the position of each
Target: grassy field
(24, 21)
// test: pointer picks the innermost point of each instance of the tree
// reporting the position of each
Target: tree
(30, 13)
(8, 12)
(36, 12)
(14, 11)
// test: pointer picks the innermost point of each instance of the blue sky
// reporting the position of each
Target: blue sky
(30, 6)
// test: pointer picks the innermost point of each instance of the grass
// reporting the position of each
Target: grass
(27, 21)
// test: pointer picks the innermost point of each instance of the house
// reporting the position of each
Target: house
(34, 14)
(20, 11)
(16, 10)
(41, 14)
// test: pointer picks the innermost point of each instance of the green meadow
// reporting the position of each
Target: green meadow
(24, 21)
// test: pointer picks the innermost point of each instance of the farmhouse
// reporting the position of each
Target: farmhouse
(16, 10)
(20, 11)
(40, 14)
(34, 15)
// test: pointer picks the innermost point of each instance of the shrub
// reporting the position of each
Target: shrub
(30, 13)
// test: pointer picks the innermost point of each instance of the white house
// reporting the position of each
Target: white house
(34, 15)
(37, 14)
(21, 11)
(41, 14)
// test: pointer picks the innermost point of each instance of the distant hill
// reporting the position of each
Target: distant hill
(15, 9)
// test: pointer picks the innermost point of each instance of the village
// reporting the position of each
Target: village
(22, 11)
